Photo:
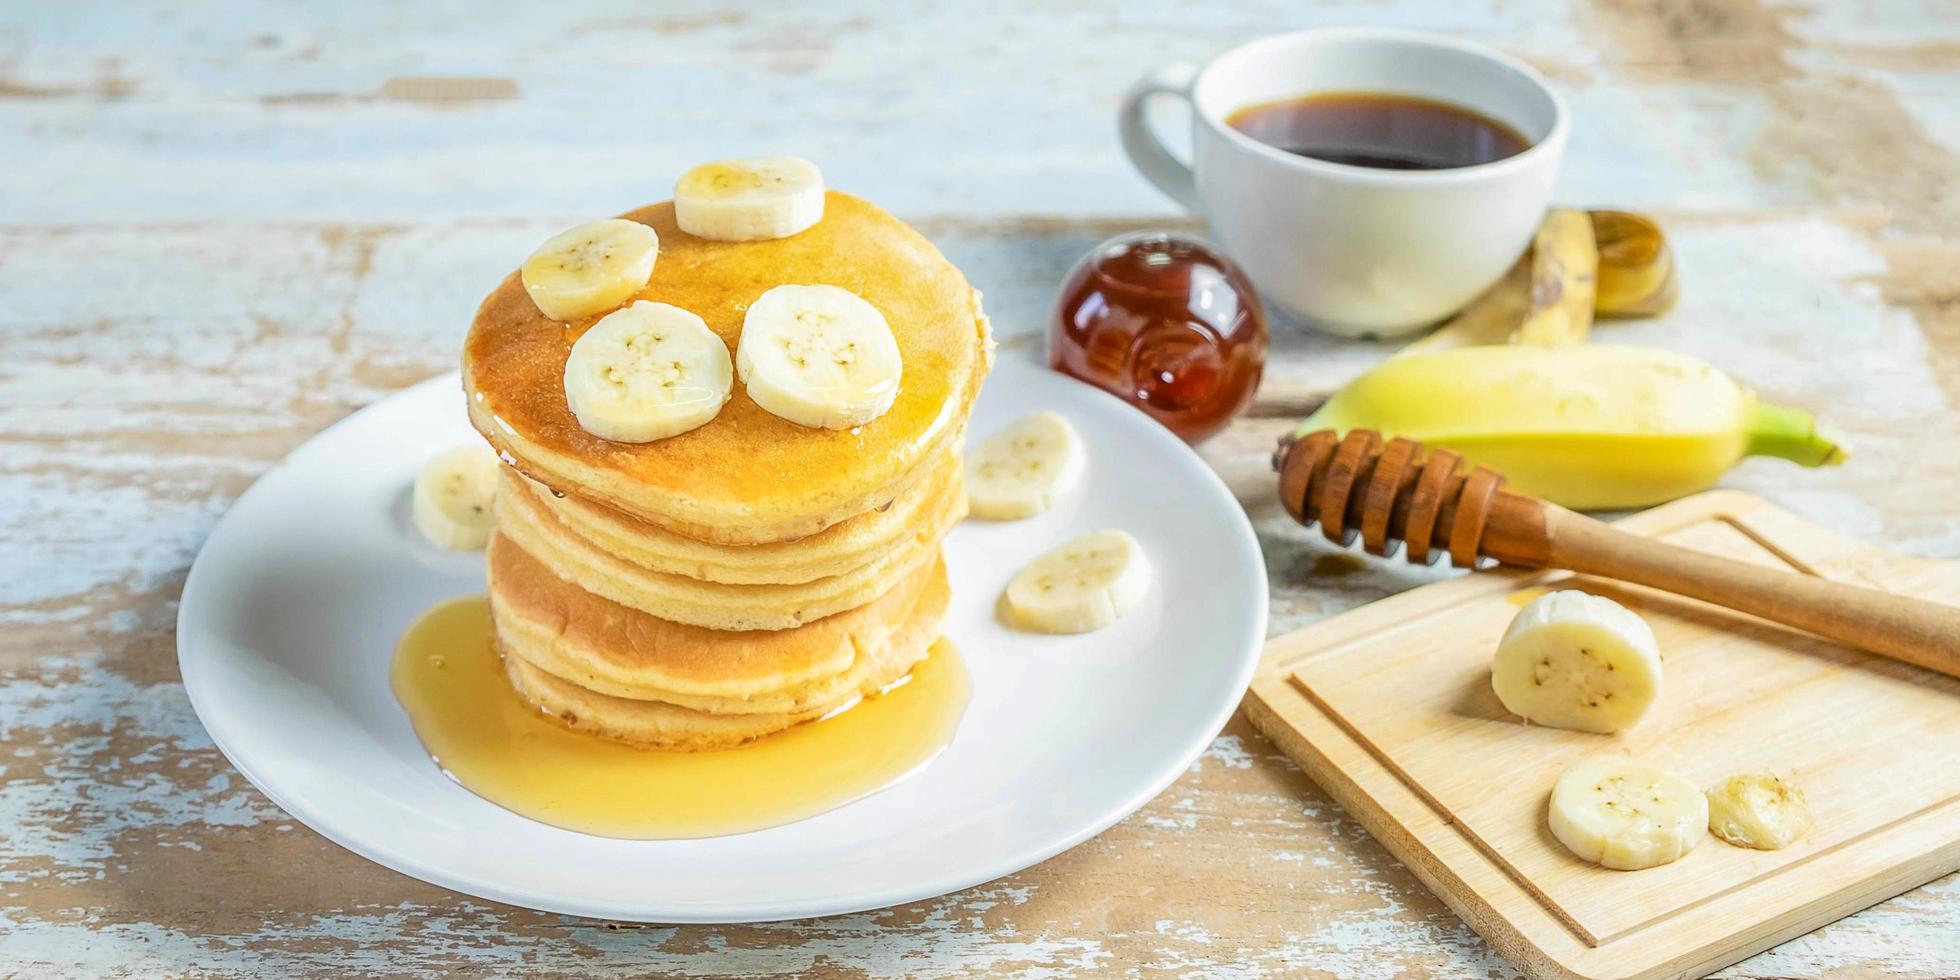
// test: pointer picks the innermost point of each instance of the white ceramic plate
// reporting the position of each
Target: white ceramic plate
(292, 610)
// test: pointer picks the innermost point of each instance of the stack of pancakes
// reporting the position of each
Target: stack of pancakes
(702, 590)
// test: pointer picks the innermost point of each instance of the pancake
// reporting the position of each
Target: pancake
(604, 645)
(667, 725)
(571, 657)
(712, 605)
(654, 725)
(746, 477)
(932, 507)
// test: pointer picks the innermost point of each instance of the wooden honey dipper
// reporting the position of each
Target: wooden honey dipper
(1382, 493)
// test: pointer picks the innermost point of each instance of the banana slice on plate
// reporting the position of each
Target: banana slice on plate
(749, 200)
(647, 372)
(1024, 468)
(818, 356)
(1626, 815)
(1082, 585)
(1758, 810)
(590, 269)
(1578, 661)
(451, 501)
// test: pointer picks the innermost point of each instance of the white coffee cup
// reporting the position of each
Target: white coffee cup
(1347, 249)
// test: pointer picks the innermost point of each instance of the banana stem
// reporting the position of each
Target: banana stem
(1788, 432)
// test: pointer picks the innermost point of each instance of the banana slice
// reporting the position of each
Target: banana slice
(452, 497)
(1758, 810)
(1024, 468)
(749, 200)
(647, 372)
(590, 269)
(1578, 661)
(818, 356)
(1626, 815)
(1082, 585)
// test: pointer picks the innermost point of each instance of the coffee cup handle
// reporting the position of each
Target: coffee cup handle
(1146, 150)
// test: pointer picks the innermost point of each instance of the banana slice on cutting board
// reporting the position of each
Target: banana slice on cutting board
(451, 500)
(647, 372)
(590, 269)
(818, 356)
(1082, 585)
(1024, 468)
(1758, 810)
(1626, 815)
(749, 200)
(1578, 661)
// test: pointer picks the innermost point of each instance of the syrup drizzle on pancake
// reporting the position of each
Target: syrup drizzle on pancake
(488, 740)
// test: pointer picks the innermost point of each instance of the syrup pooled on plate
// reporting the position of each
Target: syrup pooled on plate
(495, 745)
(1168, 325)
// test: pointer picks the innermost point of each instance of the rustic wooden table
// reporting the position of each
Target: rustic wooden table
(224, 229)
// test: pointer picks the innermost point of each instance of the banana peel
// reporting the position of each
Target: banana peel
(1581, 265)
(1636, 268)
(1564, 270)
(1493, 317)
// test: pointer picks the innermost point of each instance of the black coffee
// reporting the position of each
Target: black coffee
(1377, 129)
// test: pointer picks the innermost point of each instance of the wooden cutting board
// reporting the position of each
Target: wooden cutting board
(1389, 708)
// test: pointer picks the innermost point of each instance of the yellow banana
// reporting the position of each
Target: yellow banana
(1585, 425)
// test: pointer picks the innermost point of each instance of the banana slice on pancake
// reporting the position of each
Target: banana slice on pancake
(818, 356)
(749, 200)
(590, 269)
(647, 372)
(1080, 586)
(452, 497)
(1578, 661)
(1626, 815)
(1024, 468)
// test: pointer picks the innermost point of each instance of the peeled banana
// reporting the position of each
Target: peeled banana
(1586, 425)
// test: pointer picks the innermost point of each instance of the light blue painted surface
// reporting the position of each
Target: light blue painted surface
(218, 232)
(232, 112)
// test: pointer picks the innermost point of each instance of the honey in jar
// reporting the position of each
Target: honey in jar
(1166, 323)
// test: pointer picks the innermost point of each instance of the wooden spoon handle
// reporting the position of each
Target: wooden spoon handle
(1912, 630)
(1355, 486)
